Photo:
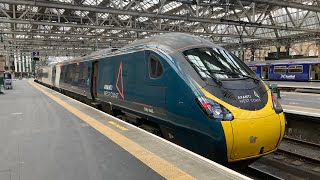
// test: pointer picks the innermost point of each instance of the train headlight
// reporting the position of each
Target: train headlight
(276, 105)
(214, 109)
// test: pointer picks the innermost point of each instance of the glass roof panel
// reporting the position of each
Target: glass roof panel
(4, 6)
(21, 7)
(103, 15)
(92, 2)
(149, 3)
(123, 17)
(170, 6)
(117, 3)
(81, 13)
(142, 19)
(57, 11)
(64, 28)
(34, 9)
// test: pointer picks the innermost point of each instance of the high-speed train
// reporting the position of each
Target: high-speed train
(183, 88)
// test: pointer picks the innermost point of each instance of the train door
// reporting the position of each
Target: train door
(53, 75)
(94, 79)
(155, 89)
(57, 75)
(265, 72)
(314, 72)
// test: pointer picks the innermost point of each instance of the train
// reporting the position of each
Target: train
(183, 88)
(306, 69)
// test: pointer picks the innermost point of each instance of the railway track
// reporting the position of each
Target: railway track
(306, 143)
(257, 173)
(295, 159)
(300, 156)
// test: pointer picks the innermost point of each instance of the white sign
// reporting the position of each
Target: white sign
(284, 76)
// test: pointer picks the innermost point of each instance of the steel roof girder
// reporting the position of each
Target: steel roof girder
(143, 14)
(104, 27)
(284, 3)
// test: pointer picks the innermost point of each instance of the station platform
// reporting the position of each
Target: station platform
(311, 87)
(307, 104)
(46, 135)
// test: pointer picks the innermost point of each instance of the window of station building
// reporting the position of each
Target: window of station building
(279, 69)
(295, 69)
(155, 67)
(254, 69)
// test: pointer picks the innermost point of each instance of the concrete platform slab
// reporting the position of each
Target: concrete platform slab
(307, 104)
(47, 135)
(308, 85)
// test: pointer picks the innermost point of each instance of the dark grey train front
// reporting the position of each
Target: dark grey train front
(183, 88)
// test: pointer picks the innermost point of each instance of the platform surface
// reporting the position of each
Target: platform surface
(46, 135)
(301, 103)
(309, 85)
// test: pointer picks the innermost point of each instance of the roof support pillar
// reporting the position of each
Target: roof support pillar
(278, 52)
(287, 47)
(318, 46)
(253, 50)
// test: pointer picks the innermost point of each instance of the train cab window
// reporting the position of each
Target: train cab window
(254, 69)
(155, 67)
(216, 63)
(279, 69)
(295, 69)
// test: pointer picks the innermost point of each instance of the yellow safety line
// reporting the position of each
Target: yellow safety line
(161, 166)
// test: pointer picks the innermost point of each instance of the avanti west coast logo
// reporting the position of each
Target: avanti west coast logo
(249, 98)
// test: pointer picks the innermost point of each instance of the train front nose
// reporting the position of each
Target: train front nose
(253, 137)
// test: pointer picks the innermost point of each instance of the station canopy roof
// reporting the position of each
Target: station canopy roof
(77, 27)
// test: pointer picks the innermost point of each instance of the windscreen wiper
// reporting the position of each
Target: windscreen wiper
(219, 82)
(236, 73)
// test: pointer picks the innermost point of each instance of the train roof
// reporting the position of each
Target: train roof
(172, 41)
(287, 61)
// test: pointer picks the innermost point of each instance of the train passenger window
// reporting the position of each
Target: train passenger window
(279, 69)
(295, 69)
(254, 69)
(155, 67)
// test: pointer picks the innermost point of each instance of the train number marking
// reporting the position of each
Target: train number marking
(108, 87)
(150, 110)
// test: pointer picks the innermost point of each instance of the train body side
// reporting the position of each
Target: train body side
(44, 75)
(306, 70)
(304, 75)
(75, 78)
(169, 101)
